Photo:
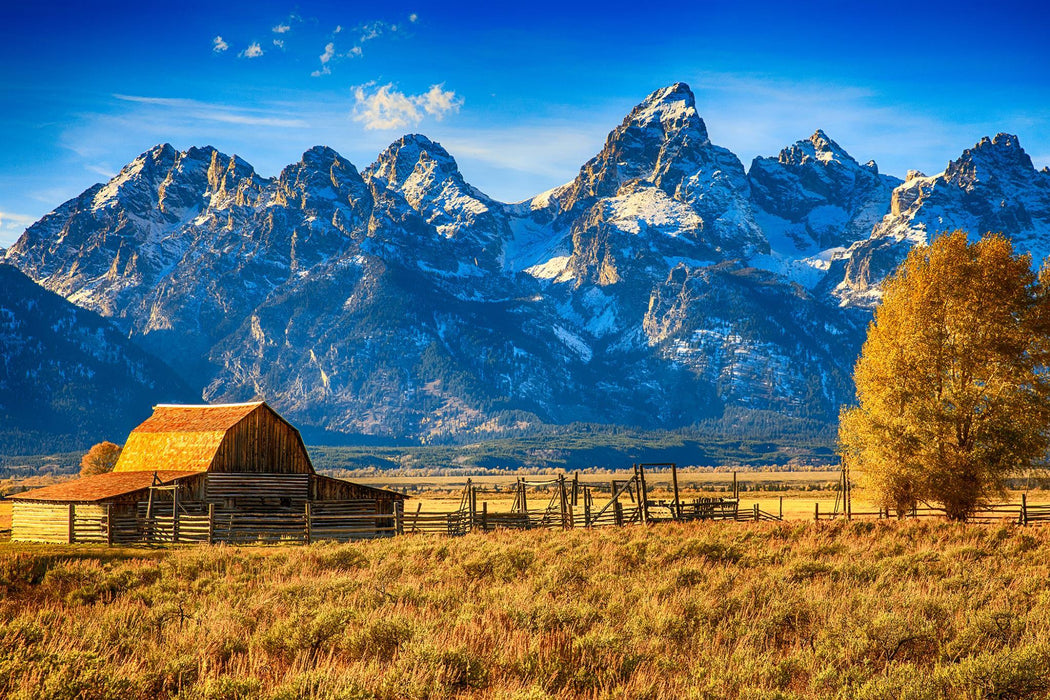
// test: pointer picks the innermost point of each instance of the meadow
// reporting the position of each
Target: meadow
(884, 609)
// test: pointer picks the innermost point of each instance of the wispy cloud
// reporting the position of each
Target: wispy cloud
(102, 170)
(12, 225)
(281, 28)
(279, 43)
(386, 107)
(206, 111)
(218, 45)
(253, 51)
(413, 18)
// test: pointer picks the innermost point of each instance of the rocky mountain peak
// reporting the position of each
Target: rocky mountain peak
(321, 176)
(818, 147)
(1001, 156)
(663, 141)
(669, 110)
(410, 153)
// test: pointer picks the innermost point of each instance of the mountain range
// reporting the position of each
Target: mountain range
(664, 286)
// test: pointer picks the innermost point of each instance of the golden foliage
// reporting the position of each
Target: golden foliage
(950, 383)
(100, 459)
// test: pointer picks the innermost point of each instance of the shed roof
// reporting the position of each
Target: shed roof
(90, 489)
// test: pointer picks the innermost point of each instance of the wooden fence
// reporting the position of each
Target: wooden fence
(1020, 513)
(198, 522)
(563, 503)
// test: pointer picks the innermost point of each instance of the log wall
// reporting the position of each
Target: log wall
(40, 522)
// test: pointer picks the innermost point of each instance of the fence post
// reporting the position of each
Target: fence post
(70, 535)
(308, 524)
(781, 507)
(816, 511)
(484, 516)
(736, 490)
(1024, 509)
(109, 525)
(756, 513)
(618, 512)
(211, 523)
(587, 508)
(399, 518)
(175, 516)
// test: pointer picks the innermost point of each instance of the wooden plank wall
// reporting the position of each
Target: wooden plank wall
(262, 443)
(90, 524)
(258, 487)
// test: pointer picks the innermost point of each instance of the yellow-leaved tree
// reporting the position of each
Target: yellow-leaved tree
(952, 390)
(100, 459)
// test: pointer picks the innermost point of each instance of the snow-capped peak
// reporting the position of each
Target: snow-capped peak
(671, 109)
(818, 147)
(991, 157)
(395, 165)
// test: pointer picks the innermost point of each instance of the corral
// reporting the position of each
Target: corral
(211, 473)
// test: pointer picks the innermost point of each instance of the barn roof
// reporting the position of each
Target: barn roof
(180, 418)
(100, 487)
(183, 437)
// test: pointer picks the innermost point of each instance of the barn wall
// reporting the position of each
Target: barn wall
(243, 490)
(40, 522)
(326, 488)
(262, 443)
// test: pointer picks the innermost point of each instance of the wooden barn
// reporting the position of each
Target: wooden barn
(211, 473)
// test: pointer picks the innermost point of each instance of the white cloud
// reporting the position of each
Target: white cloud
(326, 58)
(354, 52)
(218, 45)
(329, 52)
(338, 28)
(253, 51)
(281, 28)
(279, 43)
(388, 108)
(413, 17)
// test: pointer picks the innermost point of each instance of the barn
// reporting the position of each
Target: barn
(208, 473)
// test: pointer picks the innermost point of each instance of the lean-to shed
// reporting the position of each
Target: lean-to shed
(236, 463)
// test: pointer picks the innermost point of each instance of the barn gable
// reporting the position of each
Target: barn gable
(226, 438)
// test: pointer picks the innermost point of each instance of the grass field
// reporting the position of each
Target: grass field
(715, 610)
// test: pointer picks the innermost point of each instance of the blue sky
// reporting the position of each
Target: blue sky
(521, 96)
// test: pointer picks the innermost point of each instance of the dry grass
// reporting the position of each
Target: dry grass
(862, 610)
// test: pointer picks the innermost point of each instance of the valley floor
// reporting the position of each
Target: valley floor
(702, 610)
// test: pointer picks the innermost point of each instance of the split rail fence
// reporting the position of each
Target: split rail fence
(563, 503)
(1019, 513)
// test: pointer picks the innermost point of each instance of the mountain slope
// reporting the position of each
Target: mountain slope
(67, 377)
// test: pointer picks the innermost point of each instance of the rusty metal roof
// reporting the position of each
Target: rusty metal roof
(90, 489)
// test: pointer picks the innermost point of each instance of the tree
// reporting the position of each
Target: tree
(100, 459)
(952, 386)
